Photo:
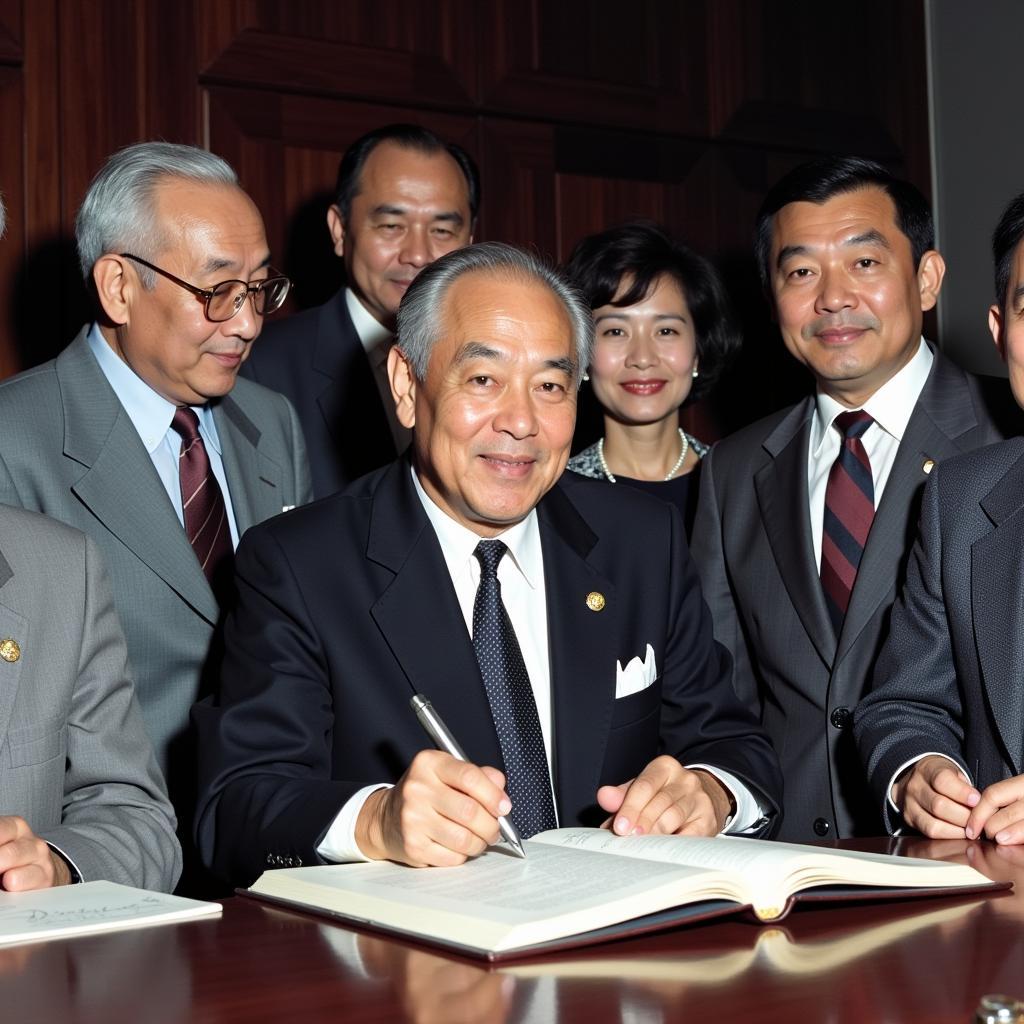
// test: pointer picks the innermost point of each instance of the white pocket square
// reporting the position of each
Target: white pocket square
(636, 676)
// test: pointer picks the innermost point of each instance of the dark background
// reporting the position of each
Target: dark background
(580, 113)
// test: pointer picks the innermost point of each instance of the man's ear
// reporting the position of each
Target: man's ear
(403, 387)
(336, 226)
(930, 272)
(115, 287)
(995, 325)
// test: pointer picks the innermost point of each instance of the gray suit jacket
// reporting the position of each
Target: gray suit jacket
(68, 448)
(75, 761)
(752, 544)
(950, 680)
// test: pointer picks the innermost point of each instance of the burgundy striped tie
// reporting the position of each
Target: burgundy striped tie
(849, 510)
(206, 519)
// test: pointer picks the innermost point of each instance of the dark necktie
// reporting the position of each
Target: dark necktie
(206, 519)
(849, 511)
(511, 698)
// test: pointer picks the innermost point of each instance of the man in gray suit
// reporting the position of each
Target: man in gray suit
(803, 522)
(137, 429)
(81, 797)
(942, 732)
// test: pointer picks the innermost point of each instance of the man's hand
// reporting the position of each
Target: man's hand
(441, 813)
(999, 814)
(935, 798)
(667, 799)
(26, 862)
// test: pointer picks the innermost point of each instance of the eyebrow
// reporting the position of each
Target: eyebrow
(387, 210)
(871, 237)
(625, 314)
(1018, 294)
(479, 350)
(215, 263)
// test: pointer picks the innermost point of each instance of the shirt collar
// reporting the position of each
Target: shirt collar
(150, 413)
(458, 543)
(891, 406)
(376, 338)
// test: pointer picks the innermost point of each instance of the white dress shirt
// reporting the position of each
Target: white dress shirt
(151, 415)
(376, 340)
(521, 575)
(890, 407)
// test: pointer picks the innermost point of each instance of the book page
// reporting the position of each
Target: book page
(769, 872)
(498, 901)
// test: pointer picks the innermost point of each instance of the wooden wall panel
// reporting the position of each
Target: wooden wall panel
(580, 113)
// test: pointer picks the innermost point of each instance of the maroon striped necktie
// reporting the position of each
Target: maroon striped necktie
(849, 511)
(206, 518)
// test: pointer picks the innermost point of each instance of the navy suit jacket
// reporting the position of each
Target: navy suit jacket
(316, 359)
(949, 680)
(346, 609)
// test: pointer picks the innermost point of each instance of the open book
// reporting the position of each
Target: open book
(90, 907)
(578, 886)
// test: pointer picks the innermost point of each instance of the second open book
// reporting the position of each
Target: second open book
(578, 886)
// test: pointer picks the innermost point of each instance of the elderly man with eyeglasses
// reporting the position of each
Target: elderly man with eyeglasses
(141, 434)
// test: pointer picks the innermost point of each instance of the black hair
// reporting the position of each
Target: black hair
(817, 181)
(408, 136)
(1005, 240)
(643, 252)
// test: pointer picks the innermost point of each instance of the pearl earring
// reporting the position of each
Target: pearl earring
(696, 373)
(586, 376)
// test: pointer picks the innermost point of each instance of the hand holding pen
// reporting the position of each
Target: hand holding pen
(444, 740)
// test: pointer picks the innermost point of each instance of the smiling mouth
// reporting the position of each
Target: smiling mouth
(642, 387)
(510, 465)
(837, 336)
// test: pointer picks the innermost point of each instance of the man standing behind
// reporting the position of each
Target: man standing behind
(942, 732)
(136, 433)
(403, 198)
(803, 522)
(572, 653)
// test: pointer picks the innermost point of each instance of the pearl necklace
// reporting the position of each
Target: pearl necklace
(685, 447)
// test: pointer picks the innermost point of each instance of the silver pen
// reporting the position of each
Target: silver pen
(444, 740)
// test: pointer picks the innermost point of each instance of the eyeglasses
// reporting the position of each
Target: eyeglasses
(224, 300)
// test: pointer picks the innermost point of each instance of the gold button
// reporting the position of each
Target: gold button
(9, 650)
(595, 601)
(928, 465)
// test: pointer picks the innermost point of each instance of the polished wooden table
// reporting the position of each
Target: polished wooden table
(922, 960)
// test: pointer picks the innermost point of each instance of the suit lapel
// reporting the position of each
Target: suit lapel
(350, 402)
(582, 650)
(12, 626)
(420, 618)
(781, 488)
(944, 411)
(253, 479)
(997, 604)
(119, 484)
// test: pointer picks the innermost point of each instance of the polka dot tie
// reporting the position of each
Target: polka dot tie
(511, 698)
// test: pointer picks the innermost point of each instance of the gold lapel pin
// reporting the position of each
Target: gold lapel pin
(595, 601)
(9, 650)
(928, 465)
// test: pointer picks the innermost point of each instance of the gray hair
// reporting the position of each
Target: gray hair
(419, 326)
(118, 215)
(3, 216)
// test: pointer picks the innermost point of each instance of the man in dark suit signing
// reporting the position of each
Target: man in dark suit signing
(804, 518)
(403, 198)
(556, 624)
(942, 732)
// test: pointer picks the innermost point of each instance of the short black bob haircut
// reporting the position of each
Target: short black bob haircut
(407, 136)
(642, 252)
(817, 181)
(1005, 239)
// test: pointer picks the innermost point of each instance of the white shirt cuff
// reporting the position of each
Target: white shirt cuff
(750, 814)
(76, 874)
(906, 764)
(339, 844)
